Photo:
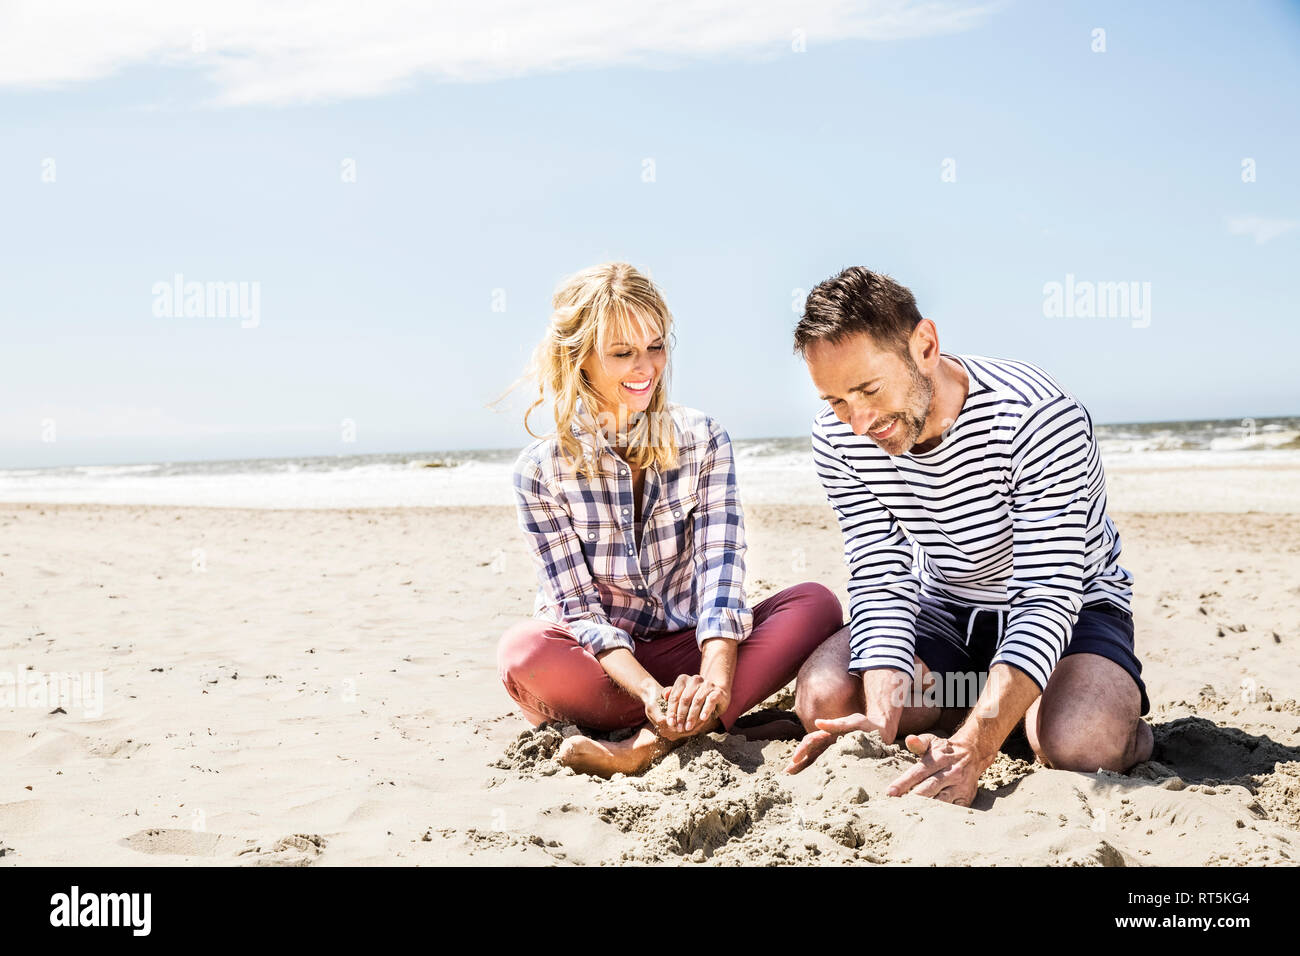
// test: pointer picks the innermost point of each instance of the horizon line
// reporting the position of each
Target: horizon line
(512, 448)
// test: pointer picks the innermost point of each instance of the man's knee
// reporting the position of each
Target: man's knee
(1085, 744)
(823, 689)
(1087, 718)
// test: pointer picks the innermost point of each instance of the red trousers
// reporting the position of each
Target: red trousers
(553, 677)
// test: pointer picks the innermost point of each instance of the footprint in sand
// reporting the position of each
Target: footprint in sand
(298, 849)
(177, 842)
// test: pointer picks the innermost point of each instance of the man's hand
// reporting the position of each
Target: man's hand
(885, 690)
(814, 744)
(949, 770)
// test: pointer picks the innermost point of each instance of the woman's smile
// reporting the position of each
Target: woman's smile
(639, 386)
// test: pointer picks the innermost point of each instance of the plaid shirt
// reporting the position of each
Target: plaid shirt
(688, 569)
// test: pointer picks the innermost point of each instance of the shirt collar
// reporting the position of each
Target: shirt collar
(583, 434)
(588, 440)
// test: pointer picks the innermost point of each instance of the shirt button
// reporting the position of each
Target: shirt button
(624, 511)
(631, 551)
(677, 514)
(591, 536)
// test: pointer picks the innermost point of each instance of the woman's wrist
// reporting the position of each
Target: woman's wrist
(649, 690)
(718, 662)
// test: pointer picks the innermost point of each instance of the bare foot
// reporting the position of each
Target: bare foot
(605, 758)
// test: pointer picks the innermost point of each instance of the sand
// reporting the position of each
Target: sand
(319, 688)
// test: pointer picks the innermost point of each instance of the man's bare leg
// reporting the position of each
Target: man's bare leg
(1087, 718)
(825, 689)
(604, 758)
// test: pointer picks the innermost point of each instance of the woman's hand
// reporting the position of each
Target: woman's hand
(652, 696)
(693, 702)
(689, 707)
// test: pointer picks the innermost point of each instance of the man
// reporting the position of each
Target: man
(972, 501)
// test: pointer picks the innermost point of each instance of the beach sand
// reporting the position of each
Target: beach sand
(319, 688)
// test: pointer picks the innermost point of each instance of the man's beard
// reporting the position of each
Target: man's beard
(911, 423)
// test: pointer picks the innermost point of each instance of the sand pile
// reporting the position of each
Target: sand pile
(721, 799)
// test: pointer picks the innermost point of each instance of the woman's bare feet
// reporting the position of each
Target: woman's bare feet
(605, 758)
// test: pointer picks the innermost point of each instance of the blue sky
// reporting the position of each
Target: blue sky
(509, 169)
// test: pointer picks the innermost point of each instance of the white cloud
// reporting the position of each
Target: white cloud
(1262, 229)
(286, 52)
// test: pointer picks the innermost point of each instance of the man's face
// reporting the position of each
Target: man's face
(878, 392)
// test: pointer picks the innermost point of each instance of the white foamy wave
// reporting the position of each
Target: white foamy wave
(1132, 444)
(375, 486)
(751, 449)
(106, 470)
(1264, 439)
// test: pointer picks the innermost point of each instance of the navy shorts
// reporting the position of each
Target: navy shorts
(943, 628)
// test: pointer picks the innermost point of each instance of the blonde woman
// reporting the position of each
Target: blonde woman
(631, 511)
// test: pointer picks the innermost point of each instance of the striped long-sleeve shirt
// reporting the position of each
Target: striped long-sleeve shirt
(1008, 513)
(607, 587)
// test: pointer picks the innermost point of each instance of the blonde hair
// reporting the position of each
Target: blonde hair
(607, 303)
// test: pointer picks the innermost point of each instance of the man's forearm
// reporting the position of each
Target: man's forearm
(885, 691)
(1006, 696)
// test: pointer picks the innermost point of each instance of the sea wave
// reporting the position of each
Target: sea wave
(107, 470)
(769, 470)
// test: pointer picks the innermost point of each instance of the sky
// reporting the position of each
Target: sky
(399, 187)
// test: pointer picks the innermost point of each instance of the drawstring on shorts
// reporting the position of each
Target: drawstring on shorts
(970, 623)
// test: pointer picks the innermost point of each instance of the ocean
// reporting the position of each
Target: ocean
(768, 469)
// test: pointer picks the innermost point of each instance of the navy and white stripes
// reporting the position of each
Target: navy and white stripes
(1007, 513)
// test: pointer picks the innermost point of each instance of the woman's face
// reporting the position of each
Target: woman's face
(628, 372)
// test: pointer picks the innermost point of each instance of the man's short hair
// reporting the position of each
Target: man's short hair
(857, 301)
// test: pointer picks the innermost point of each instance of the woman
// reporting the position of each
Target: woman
(634, 521)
